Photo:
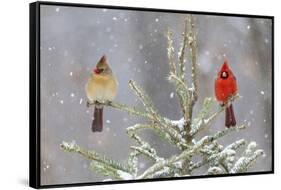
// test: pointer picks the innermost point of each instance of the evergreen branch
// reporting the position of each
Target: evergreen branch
(243, 163)
(182, 52)
(192, 41)
(178, 83)
(189, 152)
(216, 158)
(147, 103)
(109, 170)
(91, 155)
(201, 118)
(161, 121)
(133, 162)
(226, 131)
(185, 154)
(149, 152)
(158, 131)
(171, 52)
(144, 147)
(203, 122)
(124, 108)
(182, 93)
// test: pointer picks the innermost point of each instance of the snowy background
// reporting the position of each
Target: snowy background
(73, 40)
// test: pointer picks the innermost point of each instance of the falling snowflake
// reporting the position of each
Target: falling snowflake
(81, 100)
(262, 92)
(108, 121)
(157, 20)
(140, 46)
(114, 18)
(57, 9)
(172, 95)
(108, 29)
(111, 37)
(70, 73)
(248, 27)
(72, 95)
(61, 101)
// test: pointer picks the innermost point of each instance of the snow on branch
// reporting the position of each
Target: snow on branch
(100, 163)
(246, 161)
(202, 121)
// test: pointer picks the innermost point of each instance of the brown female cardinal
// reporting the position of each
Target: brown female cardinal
(226, 87)
(101, 87)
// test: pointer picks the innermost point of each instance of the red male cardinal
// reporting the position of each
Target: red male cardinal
(225, 87)
(101, 87)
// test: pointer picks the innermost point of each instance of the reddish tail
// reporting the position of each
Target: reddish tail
(97, 121)
(229, 117)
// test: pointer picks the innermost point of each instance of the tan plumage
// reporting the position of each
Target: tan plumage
(101, 86)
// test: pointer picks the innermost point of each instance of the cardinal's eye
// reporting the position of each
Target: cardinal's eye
(224, 75)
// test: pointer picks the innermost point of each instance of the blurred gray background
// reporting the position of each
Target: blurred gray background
(72, 41)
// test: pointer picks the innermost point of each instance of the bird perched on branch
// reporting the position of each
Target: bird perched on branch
(101, 87)
(225, 88)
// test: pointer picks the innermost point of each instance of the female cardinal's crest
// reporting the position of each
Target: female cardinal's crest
(101, 66)
(102, 61)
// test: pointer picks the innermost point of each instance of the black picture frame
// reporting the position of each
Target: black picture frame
(34, 92)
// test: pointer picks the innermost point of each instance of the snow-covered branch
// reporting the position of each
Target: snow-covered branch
(246, 161)
(203, 120)
(100, 163)
(123, 107)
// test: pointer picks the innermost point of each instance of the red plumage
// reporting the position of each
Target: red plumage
(225, 87)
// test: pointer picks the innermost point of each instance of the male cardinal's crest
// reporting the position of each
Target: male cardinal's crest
(101, 87)
(225, 87)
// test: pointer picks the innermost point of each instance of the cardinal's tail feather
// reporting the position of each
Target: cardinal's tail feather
(97, 122)
(232, 116)
(229, 117)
